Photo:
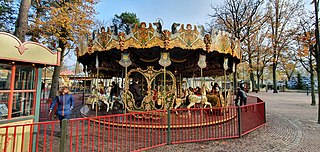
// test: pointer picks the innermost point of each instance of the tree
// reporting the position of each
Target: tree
(288, 62)
(300, 83)
(22, 21)
(306, 44)
(262, 54)
(124, 21)
(7, 17)
(281, 15)
(238, 17)
(62, 23)
(253, 44)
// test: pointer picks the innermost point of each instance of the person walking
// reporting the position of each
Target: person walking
(65, 103)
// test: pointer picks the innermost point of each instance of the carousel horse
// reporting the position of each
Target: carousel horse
(194, 99)
(199, 99)
(99, 100)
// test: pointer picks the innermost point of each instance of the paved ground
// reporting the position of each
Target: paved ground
(291, 126)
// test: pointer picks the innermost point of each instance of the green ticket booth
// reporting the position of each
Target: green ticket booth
(20, 86)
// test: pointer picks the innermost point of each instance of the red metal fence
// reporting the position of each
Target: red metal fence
(135, 131)
(28, 137)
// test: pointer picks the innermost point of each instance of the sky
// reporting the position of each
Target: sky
(169, 11)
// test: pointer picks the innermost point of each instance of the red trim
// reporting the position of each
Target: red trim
(13, 74)
(58, 60)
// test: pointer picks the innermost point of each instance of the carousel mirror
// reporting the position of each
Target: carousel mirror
(161, 88)
(149, 89)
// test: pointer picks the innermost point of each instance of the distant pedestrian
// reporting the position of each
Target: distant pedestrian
(65, 103)
(242, 96)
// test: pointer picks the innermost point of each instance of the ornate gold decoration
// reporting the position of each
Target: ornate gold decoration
(178, 61)
(144, 36)
(149, 101)
(121, 40)
(151, 60)
(207, 40)
(166, 38)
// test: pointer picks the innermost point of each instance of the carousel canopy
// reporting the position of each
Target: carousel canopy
(144, 45)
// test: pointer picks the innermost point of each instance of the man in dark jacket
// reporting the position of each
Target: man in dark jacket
(135, 90)
(242, 96)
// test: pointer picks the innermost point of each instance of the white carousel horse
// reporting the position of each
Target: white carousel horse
(199, 99)
(103, 98)
(193, 99)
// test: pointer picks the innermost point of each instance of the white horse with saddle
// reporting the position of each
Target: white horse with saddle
(194, 99)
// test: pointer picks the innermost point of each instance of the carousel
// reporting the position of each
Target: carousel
(152, 67)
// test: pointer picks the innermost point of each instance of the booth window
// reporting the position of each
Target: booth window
(21, 97)
(5, 75)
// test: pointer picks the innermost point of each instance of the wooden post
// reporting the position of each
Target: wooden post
(63, 137)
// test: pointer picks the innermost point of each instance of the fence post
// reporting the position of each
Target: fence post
(63, 137)
(83, 96)
(239, 121)
(265, 113)
(168, 129)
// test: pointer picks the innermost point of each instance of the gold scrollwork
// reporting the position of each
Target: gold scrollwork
(148, 102)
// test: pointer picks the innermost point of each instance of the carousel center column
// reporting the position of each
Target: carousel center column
(124, 62)
(165, 59)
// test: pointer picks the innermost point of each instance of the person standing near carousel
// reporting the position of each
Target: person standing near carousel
(242, 96)
(65, 103)
(135, 89)
(216, 91)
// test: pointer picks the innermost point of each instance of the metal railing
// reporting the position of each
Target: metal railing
(134, 131)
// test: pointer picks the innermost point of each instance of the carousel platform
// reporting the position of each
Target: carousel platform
(163, 119)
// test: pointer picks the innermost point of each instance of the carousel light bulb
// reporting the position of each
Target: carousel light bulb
(59, 49)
